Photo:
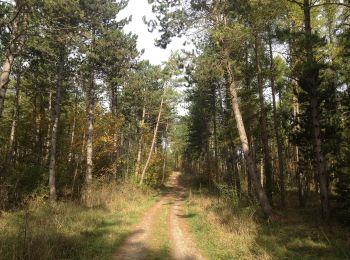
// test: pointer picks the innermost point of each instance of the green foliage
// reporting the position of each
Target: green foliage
(95, 48)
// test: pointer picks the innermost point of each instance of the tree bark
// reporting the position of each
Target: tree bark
(72, 137)
(55, 124)
(312, 82)
(77, 169)
(263, 124)
(165, 159)
(153, 142)
(262, 198)
(90, 127)
(4, 80)
(140, 143)
(116, 151)
(276, 128)
(128, 149)
(11, 149)
(216, 164)
(298, 172)
(17, 40)
(208, 161)
(49, 128)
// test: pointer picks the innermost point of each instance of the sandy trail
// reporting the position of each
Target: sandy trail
(182, 244)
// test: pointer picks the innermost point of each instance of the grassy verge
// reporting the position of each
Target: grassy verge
(68, 230)
(228, 231)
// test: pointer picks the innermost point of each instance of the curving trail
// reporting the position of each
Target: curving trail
(139, 243)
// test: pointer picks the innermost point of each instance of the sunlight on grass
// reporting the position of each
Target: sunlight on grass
(225, 231)
(219, 235)
(67, 230)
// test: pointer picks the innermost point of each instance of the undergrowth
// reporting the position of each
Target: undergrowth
(232, 229)
(91, 229)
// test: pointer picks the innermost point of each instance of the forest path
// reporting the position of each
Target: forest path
(164, 222)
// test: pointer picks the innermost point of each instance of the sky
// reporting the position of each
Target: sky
(138, 9)
(156, 55)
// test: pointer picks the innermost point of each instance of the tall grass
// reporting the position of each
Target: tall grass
(226, 229)
(91, 229)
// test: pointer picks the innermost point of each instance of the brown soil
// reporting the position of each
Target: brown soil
(182, 244)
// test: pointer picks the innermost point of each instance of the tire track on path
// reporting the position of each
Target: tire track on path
(138, 244)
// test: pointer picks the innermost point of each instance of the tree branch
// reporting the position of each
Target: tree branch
(296, 2)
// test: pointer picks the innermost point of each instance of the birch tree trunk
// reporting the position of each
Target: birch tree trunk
(153, 142)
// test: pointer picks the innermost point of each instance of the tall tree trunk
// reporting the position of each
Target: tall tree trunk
(11, 149)
(140, 143)
(298, 172)
(296, 112)
(17, 40)
(208, 161)
(232, 165)
(216, 164)
(114, 110)
(261, 195)
(165, 159)
(263, 123)
(90, 127)
(54, 132)
(4, 79)
(49, 128)
(312, 84)
(72, 137)
(77, 169)
(128, 148)
(36, 120)
(153, 142)
(276, 127)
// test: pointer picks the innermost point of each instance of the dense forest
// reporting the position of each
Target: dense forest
(256, 118)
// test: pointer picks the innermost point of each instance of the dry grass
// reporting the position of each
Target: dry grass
(222, 235)
(226, 230)
(66, 230)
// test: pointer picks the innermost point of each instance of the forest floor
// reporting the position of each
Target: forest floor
(229, 228)
(89, 229)
(163, 232)
(184, 221)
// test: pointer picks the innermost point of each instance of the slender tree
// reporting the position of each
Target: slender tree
(145, 167)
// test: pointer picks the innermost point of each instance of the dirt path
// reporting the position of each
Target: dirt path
(139, 244)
